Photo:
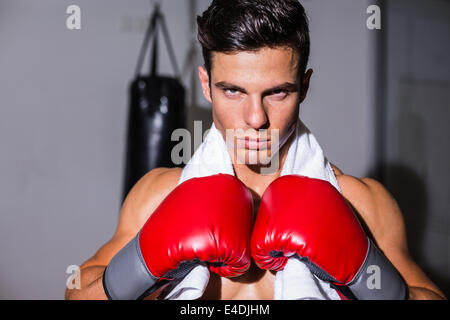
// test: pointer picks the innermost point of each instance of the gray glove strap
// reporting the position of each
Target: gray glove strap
(377, 279)
(127, 276)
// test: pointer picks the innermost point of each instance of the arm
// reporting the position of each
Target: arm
(141, 201)
(383, 218)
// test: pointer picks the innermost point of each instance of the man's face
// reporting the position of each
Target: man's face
(257, 92)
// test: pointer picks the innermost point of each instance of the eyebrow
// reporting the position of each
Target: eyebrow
(287, 86)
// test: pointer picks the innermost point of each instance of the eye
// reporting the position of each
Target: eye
(231, 92)
(279, 94)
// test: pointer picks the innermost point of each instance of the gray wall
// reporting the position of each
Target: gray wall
(417, 150)
(63, 108)
(341, 103)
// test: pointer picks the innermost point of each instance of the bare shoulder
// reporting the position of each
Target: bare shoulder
(377, 208)
(141, 201)
(381, 214)
(145, 197)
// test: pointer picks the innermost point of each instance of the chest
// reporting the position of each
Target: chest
(256, 284)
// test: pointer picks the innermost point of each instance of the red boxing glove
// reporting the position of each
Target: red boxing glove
(203, 220)
(310, 219)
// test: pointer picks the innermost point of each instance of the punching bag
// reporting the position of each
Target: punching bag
(156, 109)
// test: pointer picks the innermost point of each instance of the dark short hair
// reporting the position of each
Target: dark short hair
(248, 25)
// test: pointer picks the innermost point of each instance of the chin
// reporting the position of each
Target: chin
(254, 157)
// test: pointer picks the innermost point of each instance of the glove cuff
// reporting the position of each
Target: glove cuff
(377, 278)
(127, 277)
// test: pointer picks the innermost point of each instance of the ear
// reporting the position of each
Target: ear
(204, 80)
(305, 84)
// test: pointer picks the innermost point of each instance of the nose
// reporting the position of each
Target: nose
(255, 114)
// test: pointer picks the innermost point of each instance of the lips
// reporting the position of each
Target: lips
(255, 144)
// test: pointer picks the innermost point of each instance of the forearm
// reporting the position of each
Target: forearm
(91, 286)
(417, 293)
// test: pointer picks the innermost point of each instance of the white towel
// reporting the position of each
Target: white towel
(305, 157)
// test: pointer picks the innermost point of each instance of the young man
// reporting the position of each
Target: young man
(256, 53)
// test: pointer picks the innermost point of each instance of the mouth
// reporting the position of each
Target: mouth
(255, 144)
